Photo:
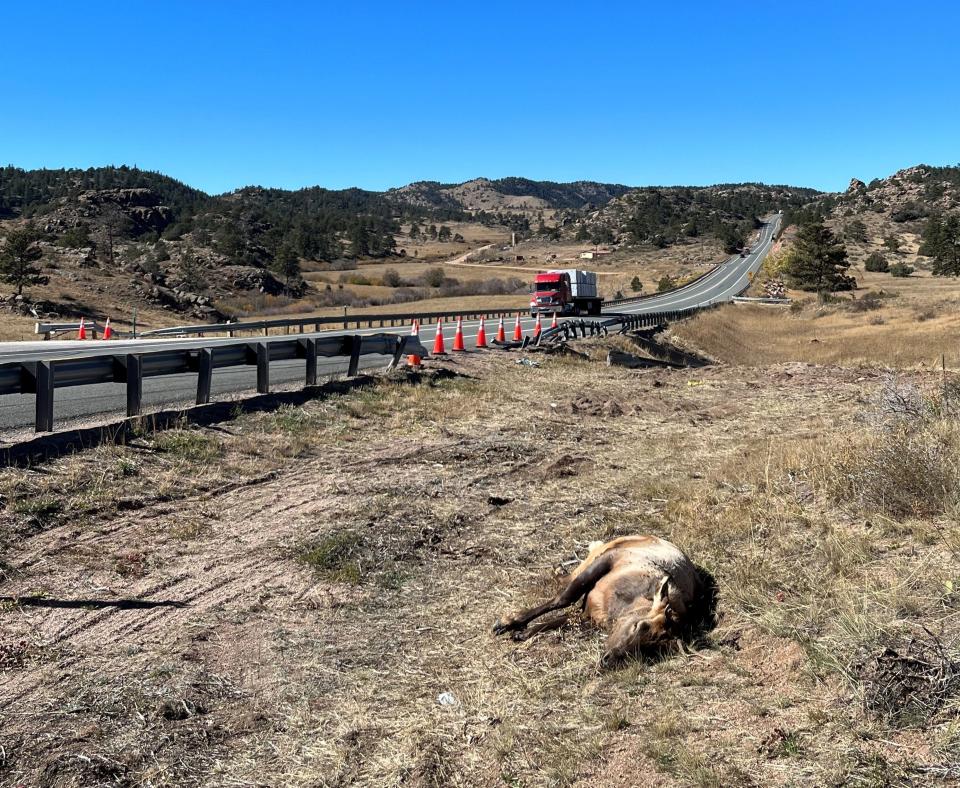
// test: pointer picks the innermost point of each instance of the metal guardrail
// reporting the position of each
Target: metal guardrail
(646, 296)
(44, 377)
(341, 322)
(570, 329)
(760, 300)
(48, 329)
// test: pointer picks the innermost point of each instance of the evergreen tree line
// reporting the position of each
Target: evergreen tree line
(941, 241)
(662, 217)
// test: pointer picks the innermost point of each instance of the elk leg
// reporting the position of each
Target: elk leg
(580, 586)
(554, 623)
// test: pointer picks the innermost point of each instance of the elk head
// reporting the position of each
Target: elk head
(641, 627)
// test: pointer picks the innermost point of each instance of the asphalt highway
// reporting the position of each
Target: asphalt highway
(89, 403)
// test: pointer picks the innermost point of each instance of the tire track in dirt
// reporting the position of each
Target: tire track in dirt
(71, 540)
(205, 575)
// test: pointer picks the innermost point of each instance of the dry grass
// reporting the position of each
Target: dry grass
(342, 563)
(830, 334)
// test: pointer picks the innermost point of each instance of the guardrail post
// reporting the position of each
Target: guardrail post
(354, 343)
(204, 375)
(263, 368)
(44, 410)
(344, 318)
(310, 349)
(133, 369)
(398, 353)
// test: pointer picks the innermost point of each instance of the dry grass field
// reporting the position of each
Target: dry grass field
(898, 323)
(474, 235)
(284, 599)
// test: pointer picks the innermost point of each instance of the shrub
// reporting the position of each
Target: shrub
(433, 277)
(901, 270)
(907, 464)
(666, 283)
(868, 302)
(392, 278)
(902, 471)
(636, 285)
(876, 262)
(908, 213)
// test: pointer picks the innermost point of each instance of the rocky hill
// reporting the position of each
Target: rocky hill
(663, 216)
(506, 194)
(906, 195)
(888, 218)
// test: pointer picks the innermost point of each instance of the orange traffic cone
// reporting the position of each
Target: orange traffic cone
(554, 324)
(413, 360)
(501, 334)
(438, 349)
(107, 331)
(482, 334)
(458, 337)
(82, 333)
(537, 328)
(517, 331)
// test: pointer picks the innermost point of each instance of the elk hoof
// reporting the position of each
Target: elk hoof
(503, 626)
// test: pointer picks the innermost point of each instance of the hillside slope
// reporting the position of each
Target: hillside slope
(663, 216)
(119, 239)
(888, 216)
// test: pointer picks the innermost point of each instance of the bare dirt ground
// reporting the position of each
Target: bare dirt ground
(283, 599)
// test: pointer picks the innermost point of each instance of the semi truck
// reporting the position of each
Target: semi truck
(569, 292)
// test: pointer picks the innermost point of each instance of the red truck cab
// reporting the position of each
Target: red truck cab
(551, 292)
(569, 291)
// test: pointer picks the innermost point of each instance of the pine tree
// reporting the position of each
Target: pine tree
(360, 240)
(17, 259)
(114, 224)
(819, 262)
(636, 285)
(286, 264)
(414, 231)
(856, 231)
(941, 241)
(876, 262)
(444, 233)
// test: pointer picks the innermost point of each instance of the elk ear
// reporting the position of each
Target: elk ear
(662, 597)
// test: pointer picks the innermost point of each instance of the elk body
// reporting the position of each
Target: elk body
(637, 588)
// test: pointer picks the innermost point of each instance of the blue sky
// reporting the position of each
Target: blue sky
(225, 94)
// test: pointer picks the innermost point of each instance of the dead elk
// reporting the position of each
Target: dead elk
(640, 589)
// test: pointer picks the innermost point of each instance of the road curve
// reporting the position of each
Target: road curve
(86, 402)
